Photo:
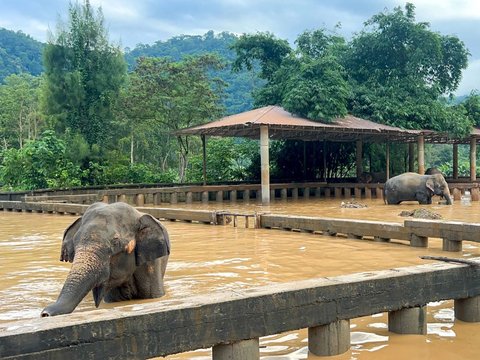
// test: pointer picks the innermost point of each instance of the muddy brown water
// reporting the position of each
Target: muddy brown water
(208, 258)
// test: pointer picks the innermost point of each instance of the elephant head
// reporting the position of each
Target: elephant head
(115, 251)
(438, 186)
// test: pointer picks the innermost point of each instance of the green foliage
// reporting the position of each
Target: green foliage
(84, 74)
(228, 159)
(399, 69)
(39, 164)
(237, 97)
(19, 53)
(20, 117)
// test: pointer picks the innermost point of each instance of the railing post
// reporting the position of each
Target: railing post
(468, 309)
(408, 321)
(242, 350)
(331, 339)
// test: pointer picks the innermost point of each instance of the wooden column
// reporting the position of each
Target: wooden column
(204, 152)
(473, 159)
(455, 161)
(387, 160)
(421, 154)
(264, 160)
(411, 157)
(359, 159)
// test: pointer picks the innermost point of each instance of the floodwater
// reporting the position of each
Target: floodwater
(207, 259)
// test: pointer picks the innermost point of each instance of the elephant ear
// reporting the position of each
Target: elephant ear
(152, 240)
(430, 185)
(68, 248)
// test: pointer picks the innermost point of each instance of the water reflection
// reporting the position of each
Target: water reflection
(208, 259)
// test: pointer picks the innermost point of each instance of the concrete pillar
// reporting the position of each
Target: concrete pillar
(233, 195)
(284, 193)
(122, 198)
(411, 157)
(246, 195)
(408, 321)
(331, 339)
(295, 193)
(189, 197)
(368, 192)
(205, 196)
(387, 161)
(105, 199)
(306, 193)
(347, 193)
(451, 245)
(338, 192)
(359, 159)
(265, 167)
(455, 161)
(219, 197)
(468, 309)
(421, 154)
(242, 350)
(328, 193)
(418, 241)
(473, 159)
(173, 198)
(140, 200)
(358, 193)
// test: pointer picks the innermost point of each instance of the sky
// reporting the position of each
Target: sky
(131, 22)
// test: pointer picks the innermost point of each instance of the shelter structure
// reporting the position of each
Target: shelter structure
(275, 123)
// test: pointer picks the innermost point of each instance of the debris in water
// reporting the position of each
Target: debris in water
(352, 204)
(421, 214)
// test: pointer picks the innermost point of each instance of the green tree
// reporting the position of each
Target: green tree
(165, 96)
(40, 163)
(83, 74)
(399, 69)
(20, 117)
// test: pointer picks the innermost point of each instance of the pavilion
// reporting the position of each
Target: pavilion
(274, 122)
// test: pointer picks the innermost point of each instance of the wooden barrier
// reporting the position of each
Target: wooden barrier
(324, 305)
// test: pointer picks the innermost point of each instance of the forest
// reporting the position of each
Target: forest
(80, 111)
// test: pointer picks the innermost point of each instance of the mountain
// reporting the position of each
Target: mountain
(19, 53)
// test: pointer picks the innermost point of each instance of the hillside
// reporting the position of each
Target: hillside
(19, 53)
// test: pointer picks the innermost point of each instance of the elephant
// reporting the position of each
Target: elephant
(412, 186)
(432, 170)
(117, 252)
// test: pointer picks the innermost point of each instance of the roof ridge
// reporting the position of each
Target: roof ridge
(267, 108)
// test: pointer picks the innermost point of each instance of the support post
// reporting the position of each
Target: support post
(204, 152)
(264, 159)
(359, 158)
(331, 339)
(411, 157)
(468, 309)
(387, 160)
(421, 154)
(408, 321)
(451, 245)
(241, 350)
(473, 159)
(455, 161)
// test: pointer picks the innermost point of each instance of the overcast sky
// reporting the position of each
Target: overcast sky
(131, 22)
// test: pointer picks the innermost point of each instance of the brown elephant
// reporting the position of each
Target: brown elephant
(117, 252)
(414, 187)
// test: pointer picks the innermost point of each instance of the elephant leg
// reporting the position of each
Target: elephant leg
(126, 291)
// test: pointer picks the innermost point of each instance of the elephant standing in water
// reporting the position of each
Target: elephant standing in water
(117, 252)
(414, 187)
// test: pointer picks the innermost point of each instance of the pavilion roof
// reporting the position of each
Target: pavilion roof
(285, 125)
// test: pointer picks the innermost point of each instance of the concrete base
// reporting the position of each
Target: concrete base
(468, 309)
(408, 321)
(242, 350)
(331, 339)
(451, 245)
(419, 241)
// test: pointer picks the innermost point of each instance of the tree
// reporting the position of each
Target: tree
(83, 74)
(399, 70)
(165, 96)
(20, 117)
(309, 81)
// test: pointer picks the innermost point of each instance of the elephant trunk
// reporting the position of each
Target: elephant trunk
(448, 198)
(86, 273)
